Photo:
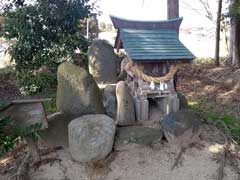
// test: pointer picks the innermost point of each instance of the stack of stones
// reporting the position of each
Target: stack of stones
(92, 112)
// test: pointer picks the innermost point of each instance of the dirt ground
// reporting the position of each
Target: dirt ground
(199, 162)
(219, 87)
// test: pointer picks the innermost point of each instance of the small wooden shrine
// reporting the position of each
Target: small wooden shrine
(155, 52)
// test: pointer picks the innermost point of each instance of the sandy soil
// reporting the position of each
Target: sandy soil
(137, 162)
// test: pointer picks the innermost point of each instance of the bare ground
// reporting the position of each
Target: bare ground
(199, 162)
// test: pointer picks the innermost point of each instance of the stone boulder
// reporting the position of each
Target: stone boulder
(109, 100)
(181, 128)
(102, 62)
(77, 92)
(125, 105)
(123, 74)
(136, 135)
(91, 137)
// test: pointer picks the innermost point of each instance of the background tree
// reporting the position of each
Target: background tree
(102, 26)
(218, 28)
(234, 55)
(46, 33)
(172, 9)
(93, 26)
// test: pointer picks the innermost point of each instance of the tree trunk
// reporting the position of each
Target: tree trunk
(235, 43)
(234, 54)
(217, 45)
(172, 9)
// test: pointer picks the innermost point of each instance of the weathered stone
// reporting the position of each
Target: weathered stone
(137, 135)
(182, 128)
(183, 103)
(102, 62)
(77, 92)
(125, 105)
(26, 114)
(123, 74)
(109, 100)
(91, 137)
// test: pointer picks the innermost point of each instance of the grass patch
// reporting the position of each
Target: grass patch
(210, 112)
(50, 106)
(207, 60)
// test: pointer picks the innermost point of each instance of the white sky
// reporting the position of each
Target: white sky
(153, 10)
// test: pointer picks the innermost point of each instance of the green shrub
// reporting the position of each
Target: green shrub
(11, 134)
(45, 33)
(34, 83)
(50, 106)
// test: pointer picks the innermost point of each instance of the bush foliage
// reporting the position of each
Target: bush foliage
(11, 134)
(235, 9)
(46, 33)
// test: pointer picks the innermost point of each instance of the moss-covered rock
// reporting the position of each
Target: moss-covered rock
(77, 92)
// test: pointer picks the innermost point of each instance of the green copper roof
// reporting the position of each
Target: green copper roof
(154, 45)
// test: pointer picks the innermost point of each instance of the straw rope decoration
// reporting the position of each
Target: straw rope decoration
(129, 67)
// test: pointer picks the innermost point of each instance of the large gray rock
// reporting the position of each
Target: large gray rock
(181, 128)
(125, 105)
(102, 62)
(91, 137)
(77, 92)
(109, 100)
(137, 135)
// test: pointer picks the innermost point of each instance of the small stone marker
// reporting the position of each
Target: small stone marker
(125, 105)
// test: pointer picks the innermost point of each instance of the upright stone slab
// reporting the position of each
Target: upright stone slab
(91, 137)
(102, 62)
(125, 105)
(142, 109)
(77, 92)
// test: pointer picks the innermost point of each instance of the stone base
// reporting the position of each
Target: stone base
(142, 109)
(169, 104)
(166, 105)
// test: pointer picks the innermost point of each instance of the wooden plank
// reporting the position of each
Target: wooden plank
(20, 101)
